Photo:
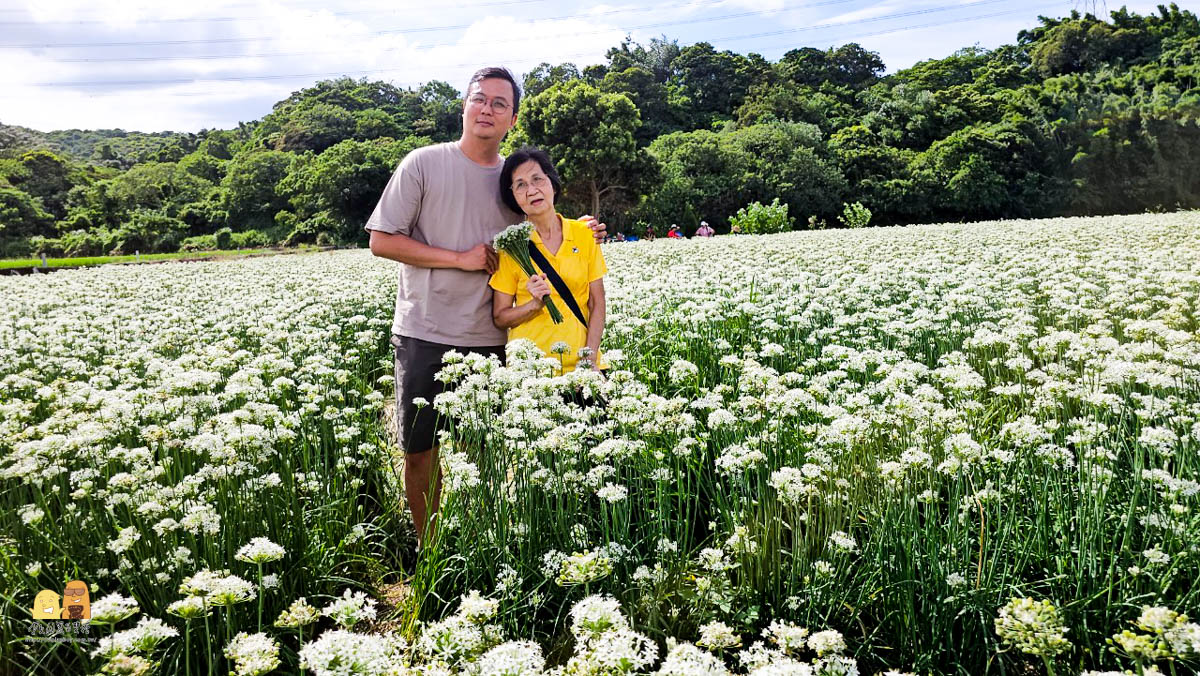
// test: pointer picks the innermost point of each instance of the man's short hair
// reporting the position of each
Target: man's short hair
(500, 73)
(517, 159)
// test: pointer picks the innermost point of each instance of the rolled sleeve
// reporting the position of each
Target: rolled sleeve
(597, 269)
(400, 205)
(505, 279)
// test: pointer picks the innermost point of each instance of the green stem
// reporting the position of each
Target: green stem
(260, 596)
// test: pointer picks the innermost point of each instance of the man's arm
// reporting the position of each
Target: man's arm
(405, 249)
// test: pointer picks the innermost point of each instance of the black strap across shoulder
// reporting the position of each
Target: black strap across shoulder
(556, 281)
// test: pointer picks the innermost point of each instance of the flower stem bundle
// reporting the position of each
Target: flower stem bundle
(514, 241)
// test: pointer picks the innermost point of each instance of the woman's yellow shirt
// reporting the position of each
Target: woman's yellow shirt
(579, 262)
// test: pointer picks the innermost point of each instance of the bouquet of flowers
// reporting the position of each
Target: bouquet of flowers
(514, 241)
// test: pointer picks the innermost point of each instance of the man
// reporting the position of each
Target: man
(437, 217)
(705, 230)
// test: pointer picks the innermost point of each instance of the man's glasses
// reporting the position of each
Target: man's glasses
(499, 105)
(539, 182)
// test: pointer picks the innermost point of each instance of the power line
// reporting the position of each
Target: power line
(400, 31)
(320, 3)
(204, 57)
(365, 12)
(253, 78)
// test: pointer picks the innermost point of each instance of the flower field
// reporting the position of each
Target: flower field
(951, 449)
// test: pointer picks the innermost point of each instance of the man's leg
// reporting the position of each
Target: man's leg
(422, 487)
(416, 363)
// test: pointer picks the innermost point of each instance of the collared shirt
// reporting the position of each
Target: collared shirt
(579, 262)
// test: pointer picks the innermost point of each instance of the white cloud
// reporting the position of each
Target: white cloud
(385, 40)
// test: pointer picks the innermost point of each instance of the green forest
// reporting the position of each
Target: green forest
(1081, 115)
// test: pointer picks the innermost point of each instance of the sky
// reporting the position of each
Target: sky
(157, 65)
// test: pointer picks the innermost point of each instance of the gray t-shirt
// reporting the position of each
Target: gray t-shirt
(439, 197)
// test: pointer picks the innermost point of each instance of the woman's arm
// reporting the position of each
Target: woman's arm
(596, 310)
(506, 316)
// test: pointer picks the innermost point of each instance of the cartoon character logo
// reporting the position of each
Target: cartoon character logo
(45, 605)
(77, 605)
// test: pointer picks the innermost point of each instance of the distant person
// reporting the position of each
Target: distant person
(530, 184)
(649, 236)
(705, 230)
(620, 237)
(437, 217)
(673, 232)
(735, 229)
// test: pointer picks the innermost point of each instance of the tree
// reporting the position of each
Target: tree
(590, 136)
(701, 179)
(21, 217)
(441, 112)
(316, 127)
(660, 112)
(341, 185)
(158, 186)
(849, 65)
(716, 82)
(658, 58)
(249, 188)
(543, 76)
(935, 74)
(785, 162)
(49, 178)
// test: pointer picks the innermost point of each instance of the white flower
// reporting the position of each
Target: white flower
(1156, 556)
(612, 493)
(718, 636)
(1034, 627)
(595, 615)
(260, 550)
(340, 653)
(350, 608)
(252, 654)
(476, 608)
(580, 568)
(113, 608)
(515, 658)
(142, 638)
(682, 371)
(828, 642)
(685, 659)
(790, 638)
(842, 542)
(299, 614)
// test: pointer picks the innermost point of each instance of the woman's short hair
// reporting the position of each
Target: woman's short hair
(517, 159)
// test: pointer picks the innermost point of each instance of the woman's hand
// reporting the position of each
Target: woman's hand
(539, 288)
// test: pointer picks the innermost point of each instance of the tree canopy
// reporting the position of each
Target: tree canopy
(1080, 114)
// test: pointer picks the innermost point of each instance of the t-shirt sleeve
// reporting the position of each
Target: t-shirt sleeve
(597, 268)
(400, 205)
(507, 275)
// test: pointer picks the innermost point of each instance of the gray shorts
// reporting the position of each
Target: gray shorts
(417, 361)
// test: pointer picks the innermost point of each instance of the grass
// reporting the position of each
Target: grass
(87, 261)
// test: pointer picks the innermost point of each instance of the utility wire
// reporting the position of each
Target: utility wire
(366, 12)
(184, 57)
(252, 78)
(400, 31)
(321, 4)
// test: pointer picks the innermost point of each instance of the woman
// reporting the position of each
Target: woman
(529, 184)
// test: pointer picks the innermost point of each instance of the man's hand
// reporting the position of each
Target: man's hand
(481, 257)
(599, 230)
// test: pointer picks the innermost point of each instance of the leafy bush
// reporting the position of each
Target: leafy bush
(223, 238)
(855, 215)
(199, 243)
(760, 219)
(251, 239)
